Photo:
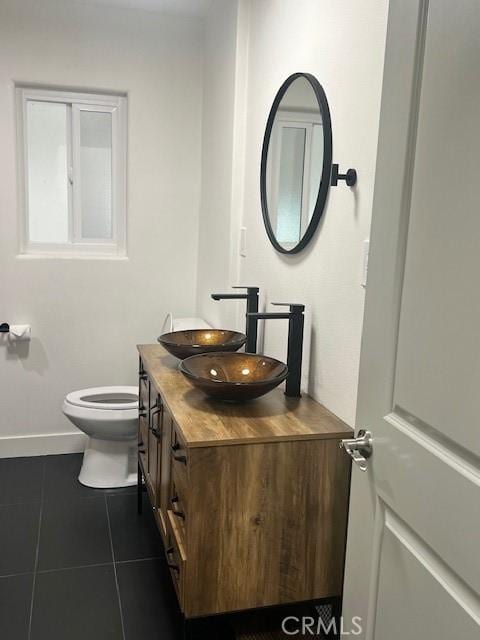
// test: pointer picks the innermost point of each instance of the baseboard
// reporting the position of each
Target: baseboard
(42, 445)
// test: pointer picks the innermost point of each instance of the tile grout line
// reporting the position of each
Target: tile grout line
(115, 568)
(15, 575)
(74, 567)
(19, 503)
(37, 550)
(138, 560)
(82, 566)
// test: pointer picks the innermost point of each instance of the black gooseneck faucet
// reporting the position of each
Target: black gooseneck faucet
(296, 321)
(251, 296)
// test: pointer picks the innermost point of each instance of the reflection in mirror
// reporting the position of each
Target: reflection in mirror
(294, 163)
(295, 176)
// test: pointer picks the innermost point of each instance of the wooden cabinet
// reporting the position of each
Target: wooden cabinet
(251, 500)
(164, 467)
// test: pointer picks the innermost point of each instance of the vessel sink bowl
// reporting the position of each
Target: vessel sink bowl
(234, 377)
(183, 344)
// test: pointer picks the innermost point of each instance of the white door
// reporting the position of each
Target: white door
(413, 553)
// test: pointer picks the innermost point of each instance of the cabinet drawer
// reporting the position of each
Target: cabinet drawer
(178, 501)
(143, 434)
(153, 462)
(154, 400)
(176, 558)
(143, 392)
(179, 453)
(155, 412)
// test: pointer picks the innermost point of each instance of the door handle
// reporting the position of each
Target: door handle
(359, 449)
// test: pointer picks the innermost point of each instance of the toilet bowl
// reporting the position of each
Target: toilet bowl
(109, 417)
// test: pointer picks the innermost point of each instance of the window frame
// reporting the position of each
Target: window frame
(115, 104)
(295, 119)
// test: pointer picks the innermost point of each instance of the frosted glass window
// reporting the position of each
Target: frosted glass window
(290, 189)
(47, 172)
(96, 175)
(73, 152)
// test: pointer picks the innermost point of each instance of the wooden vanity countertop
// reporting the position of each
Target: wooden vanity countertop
(203, 421)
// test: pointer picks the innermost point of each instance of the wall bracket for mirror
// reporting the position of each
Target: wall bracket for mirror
(350, 177)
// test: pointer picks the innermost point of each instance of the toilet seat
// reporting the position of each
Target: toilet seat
(105, 398)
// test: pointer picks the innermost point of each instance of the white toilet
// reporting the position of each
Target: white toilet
(109, 416)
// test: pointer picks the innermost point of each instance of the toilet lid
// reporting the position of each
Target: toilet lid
(105, 398)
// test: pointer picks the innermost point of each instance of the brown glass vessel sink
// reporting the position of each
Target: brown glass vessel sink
(183, 344)
(234, 377)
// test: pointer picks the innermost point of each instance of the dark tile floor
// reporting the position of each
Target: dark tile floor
(79, 563)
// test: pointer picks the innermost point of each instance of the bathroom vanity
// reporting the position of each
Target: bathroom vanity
(250, 499)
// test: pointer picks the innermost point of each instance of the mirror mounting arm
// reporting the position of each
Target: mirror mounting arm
(350, 177)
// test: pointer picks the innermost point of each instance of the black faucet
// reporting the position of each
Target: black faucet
(252, 307)
(296, 320)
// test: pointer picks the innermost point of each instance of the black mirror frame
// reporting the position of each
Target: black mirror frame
(326, 169)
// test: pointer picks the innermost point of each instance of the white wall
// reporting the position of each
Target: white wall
(87, 315)
(342, 44)
(217, 160)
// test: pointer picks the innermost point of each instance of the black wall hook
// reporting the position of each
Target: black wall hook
(350, 177)
(4, 327)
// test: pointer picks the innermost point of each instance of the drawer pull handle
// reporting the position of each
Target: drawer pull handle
(174, 567)
(179, 514)
(176, 447)
(156, 432)
(142, 375)
(142, 413)
(170, 552)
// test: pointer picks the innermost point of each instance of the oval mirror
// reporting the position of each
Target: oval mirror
(296, 163)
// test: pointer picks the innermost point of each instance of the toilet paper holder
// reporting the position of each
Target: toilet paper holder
(4, 327)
